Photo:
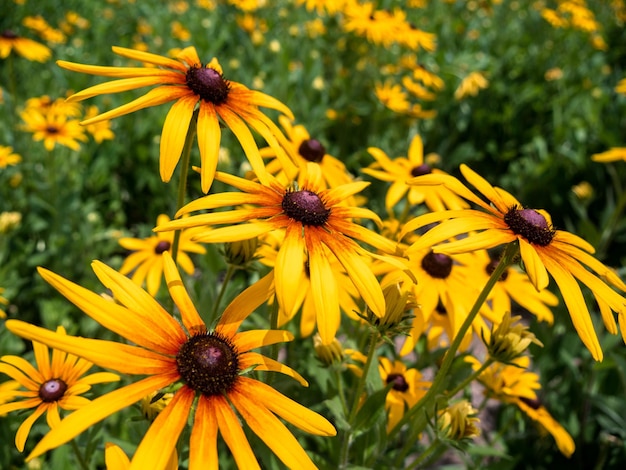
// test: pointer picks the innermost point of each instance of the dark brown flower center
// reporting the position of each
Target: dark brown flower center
(530, 224)
(398, 381)
(534, 403)
(208, 84)
(437, 265)
(306, 207)
(421, 170)
(312, 150)
(8, 34)
(52, 390)
(208, 363)
(52, 130)
(491, 267)
(162, 247)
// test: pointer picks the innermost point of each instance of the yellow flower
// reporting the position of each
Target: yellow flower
(27, 48)
(53, 129)
(612, 155)
(166, 351)
(316, 223)
(116, 459)
(509, 339)
(401, 169)
(57, 382)
(406, 390)
(458, 421)
(543, 249)
(146, 261)
(516, 384)
(7, 157)
(189, 83)
(621, 87)
(471, 85)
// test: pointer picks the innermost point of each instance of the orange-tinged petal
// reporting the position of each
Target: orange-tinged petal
(251, 339)
(432, 217)
(125, 84)
(244, 304)
(160, 441)
(271, 431)
(120, 357)
(258, 98)
(175, 129)
(203, 440)
(97, 410)
(25, 427)
(286, 408)
(209, 137)
(189, 314)
(570, 290)
(232, 433)
(118, 72)
(476, 241)
(533, 265)
(289, 269)
(115, 458)
(246, 139)
(189, 55)
(249, 359)
(235, 233)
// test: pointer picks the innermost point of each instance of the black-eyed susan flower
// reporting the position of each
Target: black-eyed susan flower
(317, 226)
(56, 383)
(516, 384)
(207, 364)
(27, 48)
(471, 85)
(53, 128)
(458, 421)
(146, 260)
(543, 249)
(401, 169)
(407, 387)
(7, 157)
(190, 84)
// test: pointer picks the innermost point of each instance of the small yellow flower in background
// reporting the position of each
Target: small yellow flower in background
(621, 87)
(471, 85)
(188, 82)
(509, 340)
(53, 129)
(401, 169)
(327, 353)
(3, 301)
(394, 97)
(166, 351)
(584, 190)
(100, 130)
(9, 221)
(27, 48)
(44, 30)
(552, 74)
(543, 249)
(428, 78)
(612, 155)
(56, 383)
(180, 32)
(458, 421)
(407, 387)
(516, 384)
(146, 259)
(318, 227)
(7, 157)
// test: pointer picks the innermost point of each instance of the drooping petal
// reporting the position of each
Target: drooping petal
(175, 129)
(290, 268)
(150, 58)
(235, 233)
(534, 266)
(97, 410)
(25, 427)
(475, 241)
(189, 314)
(249, 359)
(209, 137)
(291, 411)
(160, 441)
(203, 440)
(125, 84)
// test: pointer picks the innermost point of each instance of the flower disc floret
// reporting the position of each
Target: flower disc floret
(208, 84)
(530, 224)
(52, 390)
(305, 207)
(437, 265)
(398, 381)
(162, 247)
(208, 363)
(312, 150)
(420, 170)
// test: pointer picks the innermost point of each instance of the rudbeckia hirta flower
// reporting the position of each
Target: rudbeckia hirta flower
(315, 223)
(192, 85)
(407, 387)
(27, 48)
(401, 169)
(209, 363)
(146, 261)
(53, 384)
(53, 128)
(471, 85)
(543, 249)
(7, 157)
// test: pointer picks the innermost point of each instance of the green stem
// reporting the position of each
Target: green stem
(427, 402)
(471, 378)
(184, 173)
(79, 457)
(345, 442)
(435, 449)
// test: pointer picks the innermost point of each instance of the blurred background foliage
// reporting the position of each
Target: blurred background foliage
(549, 105)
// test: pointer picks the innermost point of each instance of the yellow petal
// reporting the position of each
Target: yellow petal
(251, 339)
(175, 130)
(209, 137)
(25, 427)
(249, 359)
(160, 441)
(203, 440)
(235, 233)
(149, 58)
(30, 379)
(124, 84)
(189, 314)
(533, 265)
(115, 458)
(289, 268)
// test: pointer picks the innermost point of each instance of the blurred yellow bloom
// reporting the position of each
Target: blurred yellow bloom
(7, 157)
(458, 421)
(27, 48)
(53, 129)
(471, 85)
